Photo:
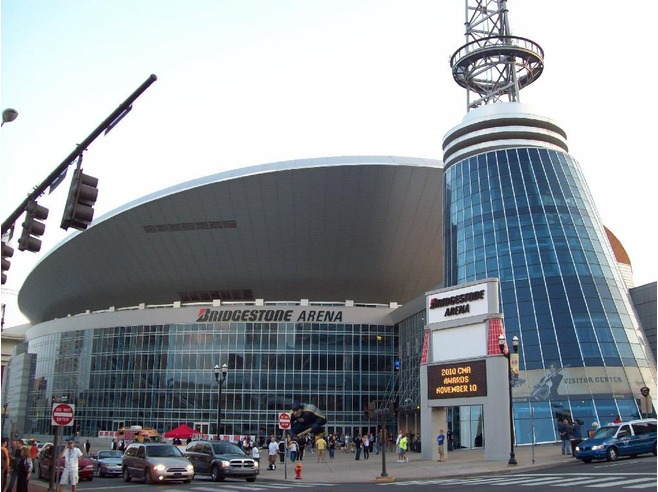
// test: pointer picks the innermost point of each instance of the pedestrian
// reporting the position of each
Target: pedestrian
(23, 469)
(15, 455)
(357, 445)
(282, 450)
(255, 454)
(577, 435)
(272, 451)
(617, 420)
(293, 449)
(440, 441)
(34, 453)
(366, 446)
(451, 442)
(331, 446)
(404, 444)
(321, 446)
(87, 447)
(6, 463)
(397, 445)
(71, 455)
(566, 434)
(593, 429)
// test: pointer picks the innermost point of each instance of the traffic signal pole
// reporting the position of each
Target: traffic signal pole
(106, 126)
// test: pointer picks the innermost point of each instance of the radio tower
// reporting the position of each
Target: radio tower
(493, 65)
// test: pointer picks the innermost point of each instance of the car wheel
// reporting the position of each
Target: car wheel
(587, 460)
(611, 454)
(148, 479)
(126, 475)
(251, 479)
(100, 472)
(214, 474)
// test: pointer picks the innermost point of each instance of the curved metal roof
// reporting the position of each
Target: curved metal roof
(365, 228)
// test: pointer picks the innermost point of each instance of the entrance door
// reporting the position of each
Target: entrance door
(202, 427)
(467, 426)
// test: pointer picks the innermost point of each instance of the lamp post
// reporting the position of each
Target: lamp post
(9, 115)
(515, 345)
(220, 381)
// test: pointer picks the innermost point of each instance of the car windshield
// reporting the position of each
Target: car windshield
(605, 432)
(226, 448)
(163, 451)
(109, 454)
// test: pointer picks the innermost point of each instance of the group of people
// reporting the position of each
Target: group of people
(571, 433)
(20, 460)
(17, 465)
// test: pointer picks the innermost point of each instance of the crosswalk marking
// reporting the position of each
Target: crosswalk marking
(618, 480)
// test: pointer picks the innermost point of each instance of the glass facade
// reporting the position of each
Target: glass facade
(162, 375)
(525, 216)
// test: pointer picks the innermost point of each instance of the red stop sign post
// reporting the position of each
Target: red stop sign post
(284, 421)
(63, 414)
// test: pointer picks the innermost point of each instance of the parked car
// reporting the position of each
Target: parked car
(155, 462)
(220, 460)
(108, 463)
(45, 457)
(623, 439)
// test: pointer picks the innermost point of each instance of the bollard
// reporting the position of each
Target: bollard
(298, 471)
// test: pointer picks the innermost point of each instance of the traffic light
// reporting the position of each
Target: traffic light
(79, 209)
(32, 227)
(7, 252)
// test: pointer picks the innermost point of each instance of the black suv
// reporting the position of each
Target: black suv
(221, 459)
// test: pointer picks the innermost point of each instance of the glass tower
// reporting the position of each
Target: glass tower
(524, 214)
(517, 207)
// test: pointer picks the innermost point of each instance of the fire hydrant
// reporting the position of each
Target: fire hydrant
(298, 471)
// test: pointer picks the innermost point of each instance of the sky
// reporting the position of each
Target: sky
(247, 82)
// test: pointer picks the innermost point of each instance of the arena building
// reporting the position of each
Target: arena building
(308, 279)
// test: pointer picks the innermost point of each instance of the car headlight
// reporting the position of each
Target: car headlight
(596, 448)
(190, 468)
(225, 464)
(255, 464)
(577, 448)
(89, 467)
(159, 468)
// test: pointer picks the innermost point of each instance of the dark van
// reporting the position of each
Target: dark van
(623, 439)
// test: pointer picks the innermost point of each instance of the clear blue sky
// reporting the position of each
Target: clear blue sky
(245, 82)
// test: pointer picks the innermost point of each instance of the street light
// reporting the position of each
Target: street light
(9, 115)
(515, 345)
(223, 371)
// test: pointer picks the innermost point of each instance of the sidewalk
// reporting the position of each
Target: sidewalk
(458, 463)
(346, 469)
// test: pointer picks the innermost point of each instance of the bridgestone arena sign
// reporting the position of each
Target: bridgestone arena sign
(271, 315)
(458, 380)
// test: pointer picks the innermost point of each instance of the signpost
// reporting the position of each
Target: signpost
(63, 414)
(284, 421)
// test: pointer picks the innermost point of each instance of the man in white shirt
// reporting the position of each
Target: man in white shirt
(71, 456)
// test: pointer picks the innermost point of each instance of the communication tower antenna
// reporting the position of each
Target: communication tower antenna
(493, 65)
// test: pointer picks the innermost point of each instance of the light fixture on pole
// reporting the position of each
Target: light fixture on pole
(508, 356)
(220, 381)
(9, 115)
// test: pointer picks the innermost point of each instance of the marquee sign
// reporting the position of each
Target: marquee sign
(457, 380)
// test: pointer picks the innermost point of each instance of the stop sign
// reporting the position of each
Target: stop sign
(284, 420)
(62, 414)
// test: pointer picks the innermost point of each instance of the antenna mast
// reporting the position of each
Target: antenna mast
(493, 65)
